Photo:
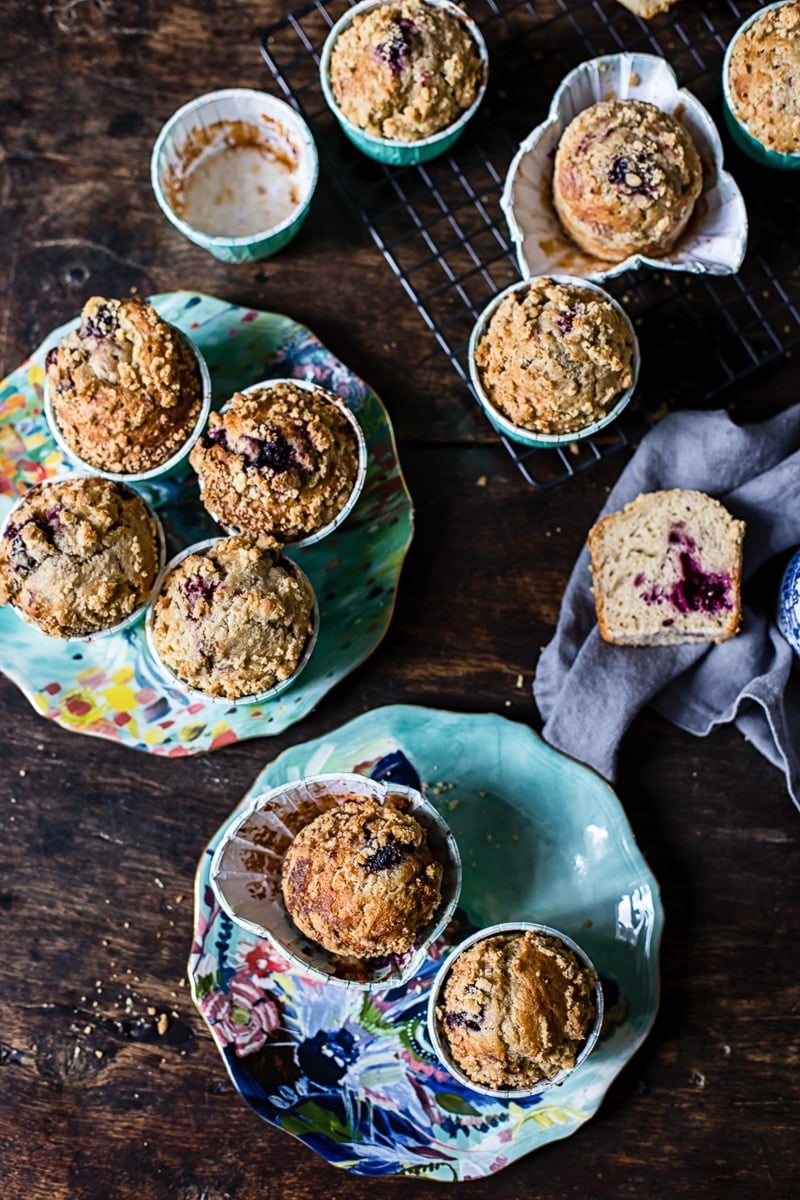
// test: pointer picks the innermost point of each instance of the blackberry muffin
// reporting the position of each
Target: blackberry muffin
(361, 880)
(763, 74)
(280, 460)
(518, 1009)
(125, 388)
(405, 71)
(78, 556)
(233, 620)
(555, 357)
(626, 179)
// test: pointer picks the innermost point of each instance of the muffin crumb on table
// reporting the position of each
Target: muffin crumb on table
(361, 879)
(125, 387)
(405, 70)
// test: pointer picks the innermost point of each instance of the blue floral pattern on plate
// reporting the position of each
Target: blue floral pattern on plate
(110, 687)
(354, 1076)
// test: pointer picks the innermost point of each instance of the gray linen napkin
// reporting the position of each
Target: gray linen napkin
(589, 691)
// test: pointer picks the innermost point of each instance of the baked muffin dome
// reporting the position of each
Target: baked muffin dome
(79, 556)
(125, 387)
(555, 356)
(764, 78)
(280, 460)
(517, 1009)
(405, 70)
(626, 179)
(233, 620)
(361, 880)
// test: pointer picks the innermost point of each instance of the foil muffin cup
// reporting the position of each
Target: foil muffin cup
(738, 130)
(715, 239)
(176, 467)
(215, 123)
(306, 385)
(173, 679)
(502, 423)
(142, 608)
(246, 874)
(392, 151)
(439, 1040)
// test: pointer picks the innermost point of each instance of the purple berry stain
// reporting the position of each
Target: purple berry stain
(272, 454)
(696, 590)
(100, 326)
(566, 319)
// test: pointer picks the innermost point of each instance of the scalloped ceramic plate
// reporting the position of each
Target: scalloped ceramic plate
(111, 688)
(715, 240)
(354, 1076)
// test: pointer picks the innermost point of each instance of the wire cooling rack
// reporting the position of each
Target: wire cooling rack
(440, 228)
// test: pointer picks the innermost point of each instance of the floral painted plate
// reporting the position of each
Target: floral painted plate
(110, 687)
(354, 1076)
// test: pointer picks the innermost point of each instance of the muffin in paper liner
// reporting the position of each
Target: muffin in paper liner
(361, 469)
(175, 467)
(503, 423)
(214, 124)
(394, 151)
(715, 239)
(143, 606)
(439, 1039)
(174, 680)
(246, 874)
(737, 128)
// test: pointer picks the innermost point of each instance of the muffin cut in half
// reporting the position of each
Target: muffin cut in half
(667, 570)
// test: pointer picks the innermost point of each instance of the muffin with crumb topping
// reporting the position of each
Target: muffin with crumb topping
(281, 460)
(125, 389)
(234, 618)
(517, 1009)
(79, 556)
(626, 179)
(405, 70)
(763, 78)
(361, 879)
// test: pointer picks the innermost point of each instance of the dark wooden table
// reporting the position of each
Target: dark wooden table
(110, 1084)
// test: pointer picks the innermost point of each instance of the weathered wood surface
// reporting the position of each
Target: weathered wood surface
(99, 844)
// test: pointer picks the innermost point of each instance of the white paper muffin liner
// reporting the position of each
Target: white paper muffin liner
(715, 240)
(206, 116)
(361, 469)
(439, 1039)
(140, 609)
(174, 680)
(246, 874)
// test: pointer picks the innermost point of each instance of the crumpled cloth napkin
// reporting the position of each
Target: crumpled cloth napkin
(589, 691)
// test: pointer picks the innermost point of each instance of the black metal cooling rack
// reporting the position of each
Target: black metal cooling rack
(440, 228)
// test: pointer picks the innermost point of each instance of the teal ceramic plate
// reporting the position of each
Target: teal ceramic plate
(354, 1076)
(110, 687)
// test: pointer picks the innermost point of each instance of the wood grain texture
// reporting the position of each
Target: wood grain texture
(110, 1085)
